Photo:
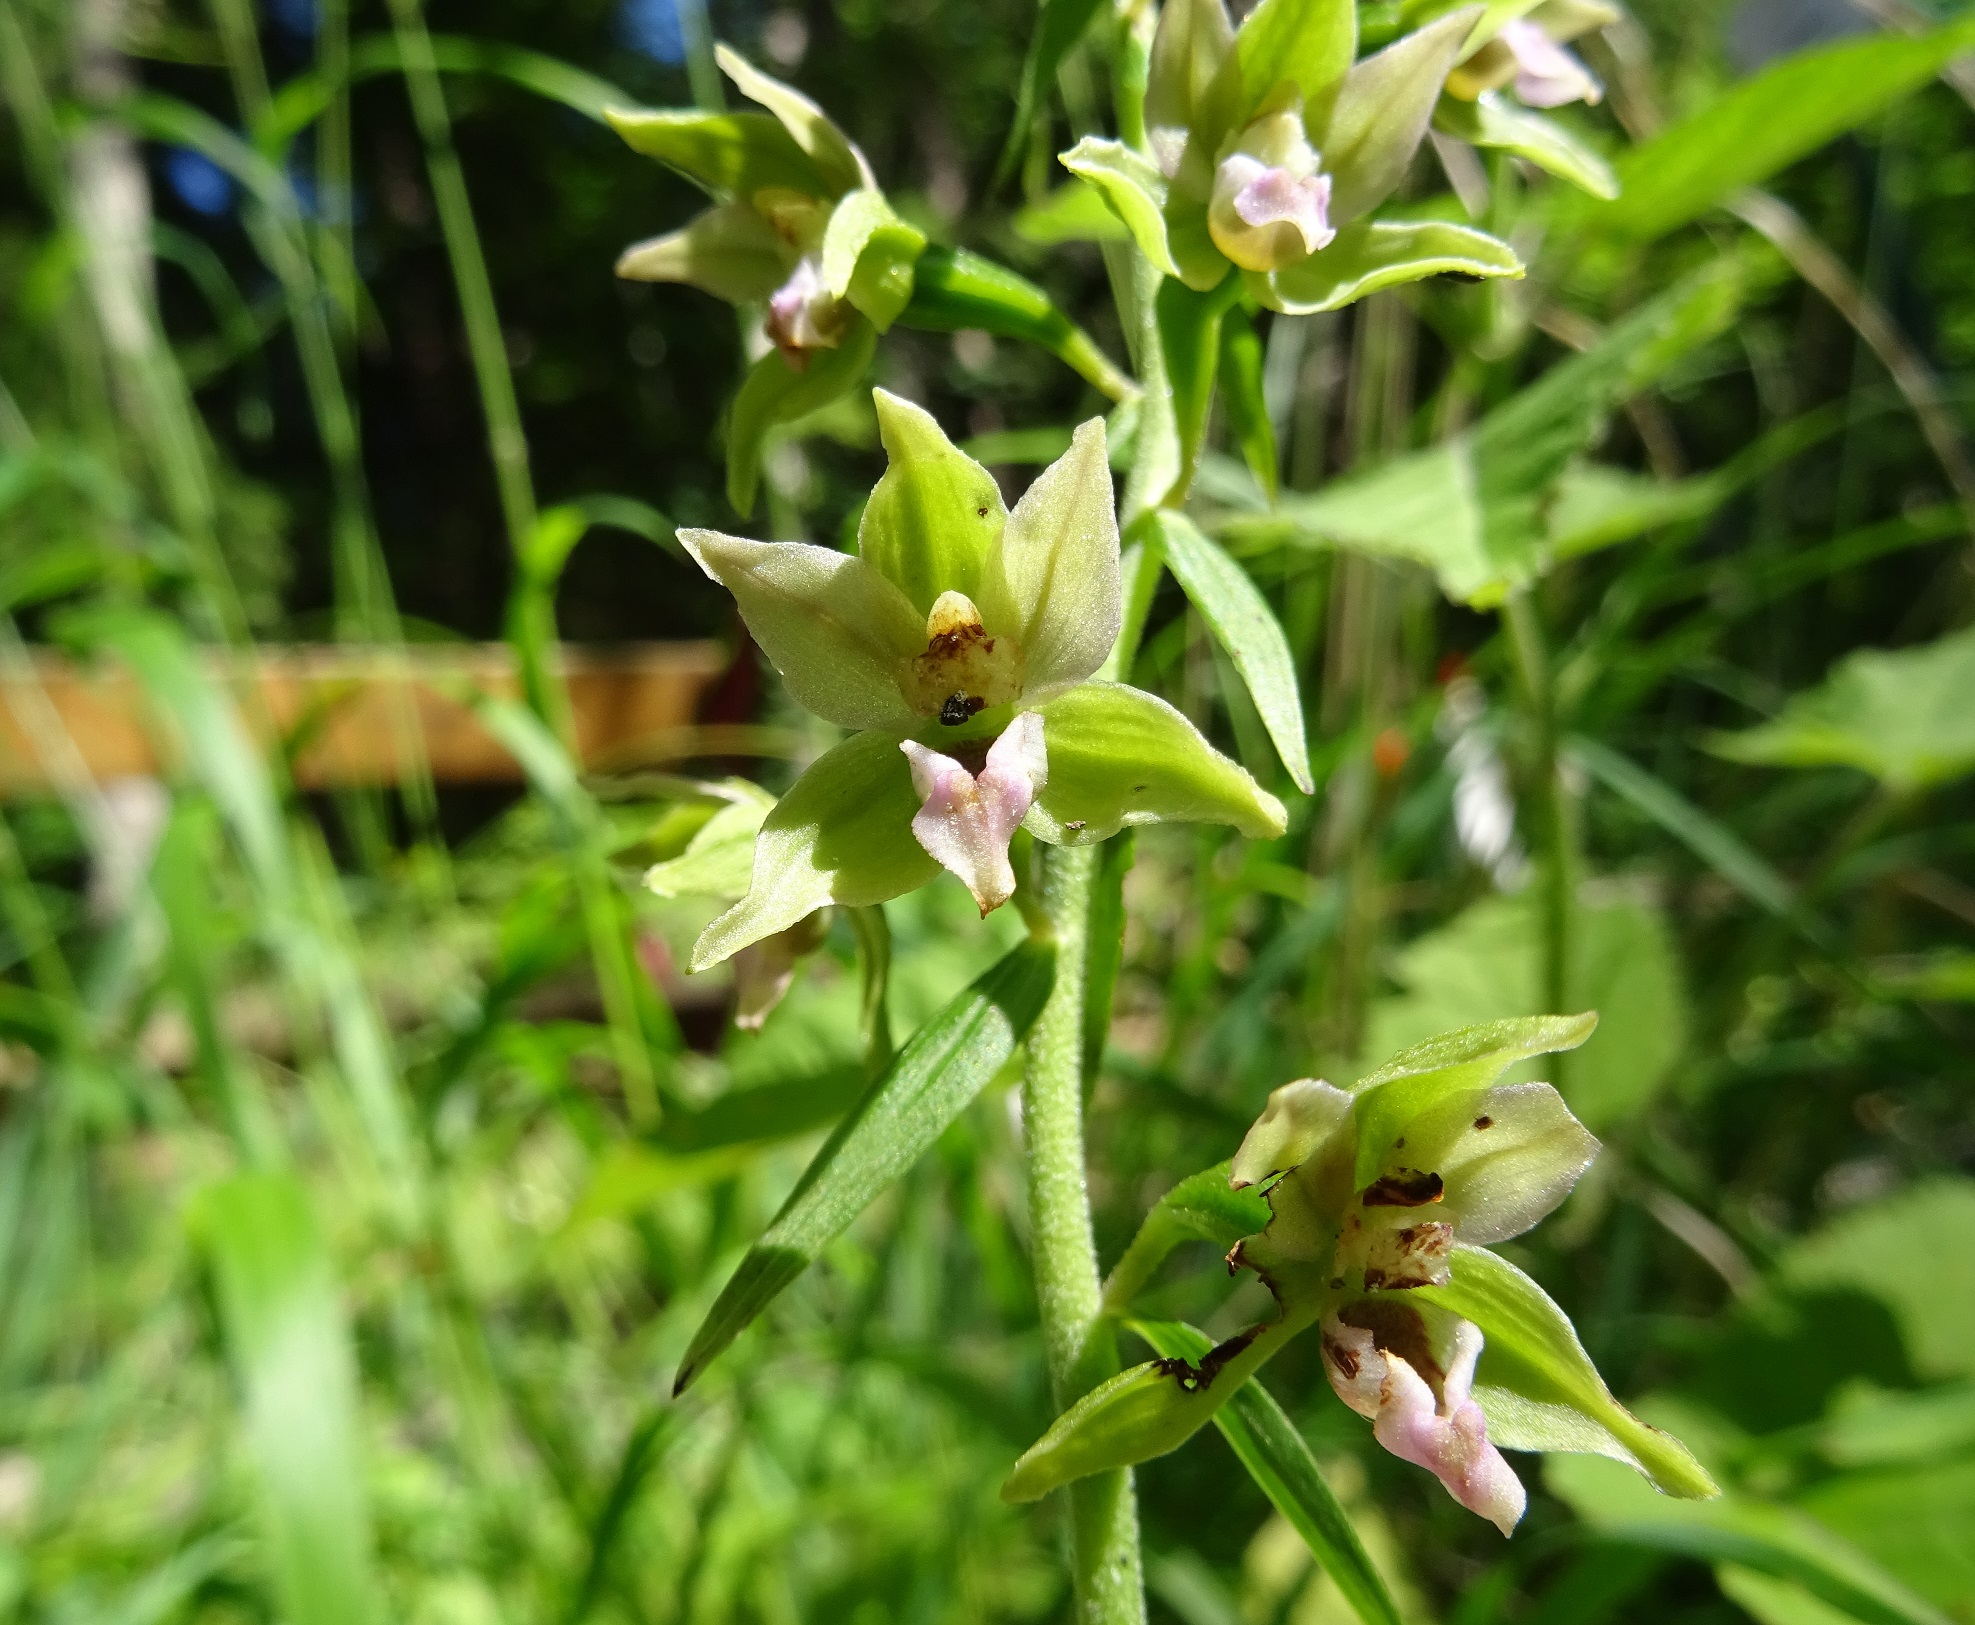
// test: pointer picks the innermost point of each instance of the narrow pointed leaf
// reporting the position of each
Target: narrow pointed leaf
(1057, 31)
(732, 155)
(1547, 143)
(1202, 1207)
(1190, 331)
(840, 164)
(775, 393)
(1119, 756)
(1381, 114)
(935, 514)
(289, 1346)
(1377, 254)
(1539, 1389)
(1133, 187)
(1248, 411)
(1277, 1457)
(932, 1080)
(1247, 628)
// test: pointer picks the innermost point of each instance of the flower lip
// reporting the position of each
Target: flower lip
(1547, 75)
(803, 314)
(974, 800)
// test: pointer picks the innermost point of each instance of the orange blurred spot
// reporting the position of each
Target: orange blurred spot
(1452, 664)
(1390, 751)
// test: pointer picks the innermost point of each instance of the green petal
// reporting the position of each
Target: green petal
(835, 156)
(729, 251)
(1377, 254)
(1537, 1386)
(1545, 142)
(1190, 48)
(934, 517)
(1382, 111)
(1051, 579)
(836, 629)
(843, 834)
(1307, 43)
(1134, 188)
(1119, 756)
(732, 155)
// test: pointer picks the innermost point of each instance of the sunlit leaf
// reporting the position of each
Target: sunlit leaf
(1495, 122)
(1376, 254)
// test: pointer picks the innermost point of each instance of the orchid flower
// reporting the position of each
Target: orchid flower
(1528, 55)
(1268, 148)
(1383, 1199)
(961, 644)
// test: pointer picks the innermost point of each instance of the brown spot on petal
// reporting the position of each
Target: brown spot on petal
(1192, 1378)
(1397, 1328)
(1484, 1121)
(1409, 1187)
(1341, 1357)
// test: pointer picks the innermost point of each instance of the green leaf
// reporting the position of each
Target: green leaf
(1469, 1059)
(1268, 1444)
(1381, 115)
(1074, 213)
(1202, 1207)
(1119, 756)
(1241, 392)
(732, 155)
(1487, 964)
(719, 860)
(1134, 188)
(953, 289)
(868, 255)
(775, 393)
(1310, 44)
(729, 251)
(1548, 143)
(1771, 1540)
(932, 1080)
(837, 160)
(935, 514)
(289, 1347)
(1537, 1386)
(1057, 30)
(842, 834)
(1247, 628)
(1377, 254)
(1906, 717)
(1190, 333)
(1766, 124)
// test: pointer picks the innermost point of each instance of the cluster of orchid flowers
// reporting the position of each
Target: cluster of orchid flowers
(965, 649)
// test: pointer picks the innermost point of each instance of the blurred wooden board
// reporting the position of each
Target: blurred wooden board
(343, 711)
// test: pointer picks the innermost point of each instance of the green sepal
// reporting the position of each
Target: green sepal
(842, 834)
(1547, 143)
(1120, 756)
(1381, 115)
(1132, 185)
(1204, 1207)
(868, 255)
(1184, 77)
(934, 515)
(1377, 254)
(775, 392)
(730, 251)
(1469, 1059)
(1538, 1387)
(1075, 212)
(1200, 263)
(1310, 44)
(1241, 390)
(835, 157)
(719, 860)
(954, 289)
(732, 155)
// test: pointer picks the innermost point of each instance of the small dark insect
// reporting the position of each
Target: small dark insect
(1484, 1122)
(959, 708)
(1398, 1145)
(980, 513)
(1407, 1188)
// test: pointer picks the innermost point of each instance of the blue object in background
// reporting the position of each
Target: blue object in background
(201, 184)
(296, 17)
(653, 27)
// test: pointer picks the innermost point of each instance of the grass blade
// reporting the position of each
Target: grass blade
(938, 1073)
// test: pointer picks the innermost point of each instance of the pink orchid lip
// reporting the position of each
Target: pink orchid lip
(803, 315)
(1546, 74)
(1276, 195)
(966, 820)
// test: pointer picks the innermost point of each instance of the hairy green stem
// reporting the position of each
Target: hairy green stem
(1079, 1348)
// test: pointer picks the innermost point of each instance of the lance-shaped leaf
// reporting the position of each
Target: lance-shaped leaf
(1247, 628)
(1133, 187)
(1537, 1386)
(732, 155)
(832, 625)
(1146, 1411)
(1377, 254)
(1267, 1443)
(1453, 1064)
(842, 834)
(1119, 756)
(840, 164)
(1545, 142)
(1306, 43)
(775, 392)
(934, 516)
(1052, 578)
(730, 251)
(868, 255)
(1382, 111)
(1247, 409)
(932, 1080)
(1204, 1207)
(953, 289)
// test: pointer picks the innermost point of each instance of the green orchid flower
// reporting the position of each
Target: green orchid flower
(1384, 1198)
(961, 645)
(1268, 148)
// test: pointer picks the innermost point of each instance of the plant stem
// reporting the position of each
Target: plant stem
(1078, 1346)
